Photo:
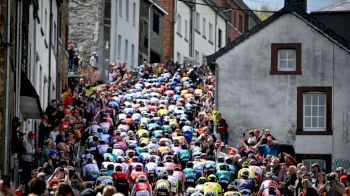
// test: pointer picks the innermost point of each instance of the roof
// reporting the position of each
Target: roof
(287, 9)
(244, 6)
(155, 4)
(343, 5)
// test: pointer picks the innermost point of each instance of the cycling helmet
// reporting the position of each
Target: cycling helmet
(170, 170)
(118, 168)
(135, 159)
(103, 172)
(164, 174)
(221, 159)
(141, 178)
(232, 187)
(138, 168)
(202, 180)
(189, 164)
(212, 178)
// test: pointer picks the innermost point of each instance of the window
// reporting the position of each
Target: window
(54, 36)
(119, 46)
(121, 8)
(127, 10)
(210, 33)
(324, 160)
(145, 34)
(134, 13)
(308, 163)
(186, 30)
(314, 111)
(198, 22)
(178, 57)
(204, 28)
(45, 29)
(197, 55)
(240, 23)
(155, 23)
(219, 38)
(234, 19)
(126, 50)
(155, 58)
(286, 59)
(178, 26)
(132, 55)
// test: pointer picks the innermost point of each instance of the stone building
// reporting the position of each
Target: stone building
(90, 29)
(294, 81)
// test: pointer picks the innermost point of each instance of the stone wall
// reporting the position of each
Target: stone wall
(85, 25)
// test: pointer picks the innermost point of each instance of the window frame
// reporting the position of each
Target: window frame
(156, 23)
(121, 8)
(186, 30)
(210, 36)
(178, 25)
(127, 10)
(198, 23)
(274, 58)
(204, 28)
(134, 14)
(326, 157)
(300, 110)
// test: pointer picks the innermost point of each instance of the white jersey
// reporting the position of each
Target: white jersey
(151, 167)
(174, 183)
(118, 152)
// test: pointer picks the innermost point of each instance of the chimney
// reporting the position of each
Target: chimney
(301, 4)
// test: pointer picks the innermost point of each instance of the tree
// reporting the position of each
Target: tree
(264, 14)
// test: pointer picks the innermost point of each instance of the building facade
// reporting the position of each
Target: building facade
(200, 30)
(151, 31)
(240, 19)
(293, 82)
(29, 55)
(125, 32)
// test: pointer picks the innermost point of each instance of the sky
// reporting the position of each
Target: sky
(312, 5)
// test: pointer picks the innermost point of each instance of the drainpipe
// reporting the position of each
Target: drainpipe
(18, 71)
(193, 25)
(50, 45)
(8, 67)
(149, 31)
(216, 29)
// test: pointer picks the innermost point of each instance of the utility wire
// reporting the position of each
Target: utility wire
(227, 8)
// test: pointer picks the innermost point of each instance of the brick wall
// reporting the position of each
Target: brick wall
(232, 29)
(168, 34)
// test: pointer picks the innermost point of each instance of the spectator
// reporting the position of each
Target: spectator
(94, 60)
(222, 128)
(28, 157)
